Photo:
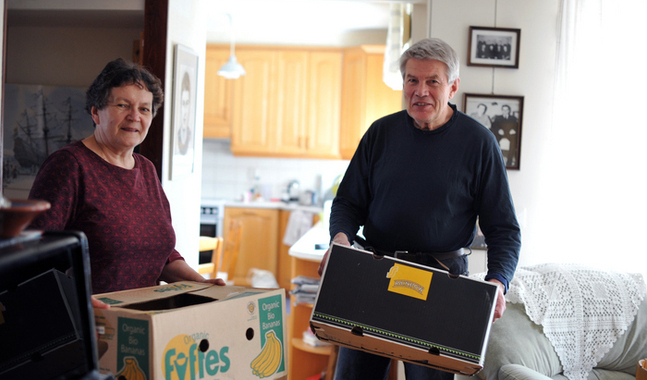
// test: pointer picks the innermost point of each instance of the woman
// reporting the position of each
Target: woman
(101, 187)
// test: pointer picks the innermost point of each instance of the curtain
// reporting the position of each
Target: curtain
(594, 183)
(397, 41)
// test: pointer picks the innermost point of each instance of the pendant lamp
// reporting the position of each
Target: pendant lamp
(232, 69)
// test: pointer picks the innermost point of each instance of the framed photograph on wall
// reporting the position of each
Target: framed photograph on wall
(185, 79)
(494, 47)
(502, 115)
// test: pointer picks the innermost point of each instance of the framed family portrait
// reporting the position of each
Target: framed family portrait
(494, 47)
(502, 115)
(184, 111)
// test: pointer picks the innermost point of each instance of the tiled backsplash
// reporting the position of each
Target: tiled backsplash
(229, 177)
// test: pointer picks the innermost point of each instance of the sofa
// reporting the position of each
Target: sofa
(519, 348)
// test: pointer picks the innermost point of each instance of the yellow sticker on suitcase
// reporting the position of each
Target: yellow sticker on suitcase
(409, 281)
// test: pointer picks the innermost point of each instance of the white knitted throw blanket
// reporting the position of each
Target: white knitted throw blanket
(583, 310)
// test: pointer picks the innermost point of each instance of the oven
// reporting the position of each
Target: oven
(212, 213)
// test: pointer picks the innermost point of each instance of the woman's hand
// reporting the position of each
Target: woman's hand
(99, 304)
(215, 281)
(179, 270)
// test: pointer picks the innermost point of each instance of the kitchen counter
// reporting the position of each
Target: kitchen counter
(305, 249)
(274, 205)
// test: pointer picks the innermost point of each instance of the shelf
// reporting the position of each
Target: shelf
(307, 305)
(322, 350)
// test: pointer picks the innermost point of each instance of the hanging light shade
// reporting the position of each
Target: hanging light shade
(232, 69)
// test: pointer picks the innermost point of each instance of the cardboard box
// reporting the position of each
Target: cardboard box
(404, 310)
(192, 331)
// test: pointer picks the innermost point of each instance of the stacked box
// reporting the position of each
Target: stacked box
(404, 310)
(192, 331)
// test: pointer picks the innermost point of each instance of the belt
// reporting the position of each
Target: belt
(425, 258)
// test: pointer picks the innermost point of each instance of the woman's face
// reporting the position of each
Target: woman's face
(124, 122)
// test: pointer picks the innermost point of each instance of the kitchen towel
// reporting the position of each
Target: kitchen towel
(298, 224)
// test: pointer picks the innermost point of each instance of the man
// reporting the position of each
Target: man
(418, 181)
(505, 128)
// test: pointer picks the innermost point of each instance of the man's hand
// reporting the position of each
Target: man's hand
(500, 300)
(340, 238)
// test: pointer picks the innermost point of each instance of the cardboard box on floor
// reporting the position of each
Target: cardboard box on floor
(404, 310)
(192, 331)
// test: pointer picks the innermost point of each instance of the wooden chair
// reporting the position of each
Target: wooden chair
(213, 244)
(231, 247)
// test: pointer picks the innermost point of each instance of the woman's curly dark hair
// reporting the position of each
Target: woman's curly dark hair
(119, 73)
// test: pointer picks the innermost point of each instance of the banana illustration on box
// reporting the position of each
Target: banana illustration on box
(269, 360)
(131, 370)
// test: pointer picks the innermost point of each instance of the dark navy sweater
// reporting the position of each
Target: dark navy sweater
(422, 191)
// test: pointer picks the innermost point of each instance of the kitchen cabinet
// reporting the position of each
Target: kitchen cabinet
(287, 105)
(253, 102)
(290, 106)
(259, 242)
(217, 94)
(309, 103)
(324, 104)
(365, 96)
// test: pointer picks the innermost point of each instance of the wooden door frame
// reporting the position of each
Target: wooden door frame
(154, 59)
(2, 82)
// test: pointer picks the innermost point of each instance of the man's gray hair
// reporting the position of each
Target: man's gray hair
(433, 49)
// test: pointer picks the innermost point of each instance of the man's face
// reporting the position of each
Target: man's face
(427, 92)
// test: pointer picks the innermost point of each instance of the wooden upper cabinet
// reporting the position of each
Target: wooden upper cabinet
(288, 104)
(217, 95)
(290, 95)
(365, 96)
(324, 104)
(253, 102)
(297, 102)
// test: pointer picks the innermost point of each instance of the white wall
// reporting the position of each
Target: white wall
(186, 26)
(225, 176)
(450, 21)
(64, 56)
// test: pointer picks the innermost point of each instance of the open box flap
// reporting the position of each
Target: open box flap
(133, 296)
(224, 292)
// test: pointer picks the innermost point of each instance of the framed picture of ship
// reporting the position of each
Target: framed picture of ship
(38, 120)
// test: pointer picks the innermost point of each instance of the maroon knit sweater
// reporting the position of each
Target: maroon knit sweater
(124, 214)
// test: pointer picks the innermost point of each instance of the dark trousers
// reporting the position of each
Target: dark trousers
(360, 365)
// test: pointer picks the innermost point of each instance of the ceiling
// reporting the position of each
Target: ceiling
(255, 21)
(295, 21)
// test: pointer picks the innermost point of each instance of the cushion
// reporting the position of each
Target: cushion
(518, 349)
(515, 339)
(519, 372)
(630, 346)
